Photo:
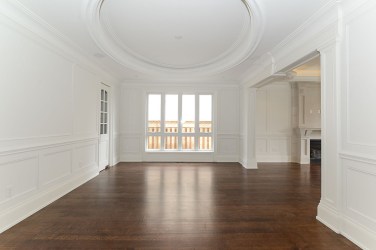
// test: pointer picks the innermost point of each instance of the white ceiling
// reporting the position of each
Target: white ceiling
(172, 40)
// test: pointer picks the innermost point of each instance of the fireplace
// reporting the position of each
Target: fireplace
(315, 149)
(306, 139)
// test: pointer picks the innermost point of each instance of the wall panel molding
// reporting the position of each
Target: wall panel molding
(43, 143)
(55, 164)
(357, 91)
(12, 170)
(359, 178)
(43, 174)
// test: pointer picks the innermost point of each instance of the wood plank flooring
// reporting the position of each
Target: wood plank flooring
(184, 206)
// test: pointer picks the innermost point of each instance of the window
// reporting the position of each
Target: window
(104, 113)
(179, 122)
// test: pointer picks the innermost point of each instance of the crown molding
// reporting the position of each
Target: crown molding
(30, 24)
(320, 30)
(108, 42)
(179, 83)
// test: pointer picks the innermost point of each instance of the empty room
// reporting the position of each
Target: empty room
(201, 124)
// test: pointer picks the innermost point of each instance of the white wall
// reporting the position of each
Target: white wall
(226, 109)
(358, 123)
(116, 109)
(273, 123)
(341, 33)
(49, 120)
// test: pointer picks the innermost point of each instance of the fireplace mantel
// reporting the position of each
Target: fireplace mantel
(304, 136)
(308, 132)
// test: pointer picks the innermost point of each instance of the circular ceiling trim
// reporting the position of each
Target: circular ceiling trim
(240, 50)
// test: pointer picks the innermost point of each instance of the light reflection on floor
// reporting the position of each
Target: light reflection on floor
(176, 196)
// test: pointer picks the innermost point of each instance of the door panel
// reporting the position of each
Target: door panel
(104, 128)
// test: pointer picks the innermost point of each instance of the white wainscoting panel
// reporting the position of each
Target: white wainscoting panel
(273, 124)
(18, 176)
(36, 176)
(359, 203)
(49, 118)
(85, 156)
(273, 149)
(359, 191)
(55, 164)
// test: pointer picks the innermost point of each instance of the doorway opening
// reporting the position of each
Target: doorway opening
(104, 128)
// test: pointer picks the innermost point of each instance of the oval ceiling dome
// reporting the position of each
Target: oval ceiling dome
(175, 36)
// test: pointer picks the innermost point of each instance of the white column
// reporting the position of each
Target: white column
(248, 158)
(329, 208)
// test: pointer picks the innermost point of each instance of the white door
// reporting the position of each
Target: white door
(104, 127)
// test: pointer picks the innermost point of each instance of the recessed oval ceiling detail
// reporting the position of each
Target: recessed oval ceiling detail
(170, 36)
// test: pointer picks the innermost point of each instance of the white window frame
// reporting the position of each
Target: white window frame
(180, 134)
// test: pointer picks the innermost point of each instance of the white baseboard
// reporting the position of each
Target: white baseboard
(358, 234)
(328, 216)
(227, 158)
(16, 214)
(273, 158)
(249, 163)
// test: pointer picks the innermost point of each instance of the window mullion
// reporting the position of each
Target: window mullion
(163, 109)
(197, 121)
(180, 138)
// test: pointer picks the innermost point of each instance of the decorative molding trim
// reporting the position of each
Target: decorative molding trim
(45, 145)
(358, 12)
(16, 214)
(50, 153)
(369, 159)
(242, 49)
(328, 216)
(274, 158)
(249, 163)
(319, 30)
(184, 82)
(32, 161)
(314, 24)
(30, 24)
(358, 234)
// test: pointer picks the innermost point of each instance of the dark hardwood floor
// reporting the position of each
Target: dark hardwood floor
(184, 206)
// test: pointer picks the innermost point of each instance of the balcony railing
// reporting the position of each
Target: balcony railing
(171, 138)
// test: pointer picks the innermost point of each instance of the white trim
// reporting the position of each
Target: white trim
(101, 33)
(45, 145)
(329, 217)
(16, 15)
(358, 234)
(14, 215)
